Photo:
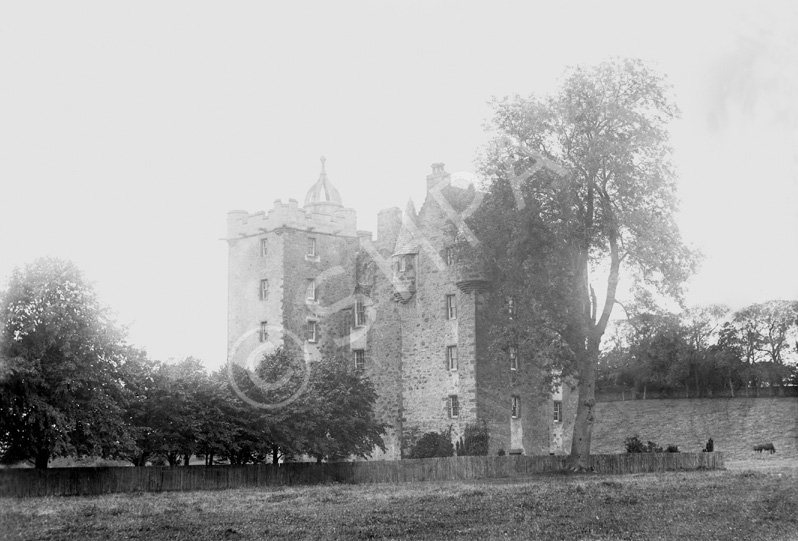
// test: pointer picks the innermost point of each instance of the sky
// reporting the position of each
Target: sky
(129, 130)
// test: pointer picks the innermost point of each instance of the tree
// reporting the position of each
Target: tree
(608, 203)
(767, 334)
(338, 410)
(61, 392)
(327, 414)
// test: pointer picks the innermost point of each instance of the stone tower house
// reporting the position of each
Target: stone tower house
(411, 309)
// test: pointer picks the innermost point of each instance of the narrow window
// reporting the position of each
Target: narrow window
(312, 247)
(402, 263)
(264, 289)
(516, 407)
(451, 357)
(454, 406)
(311, 289)
(451, 307)
(360, 313)
(311, 331)
(263, 333)
(360, 359)
(513, 358)
(264, 247)
(449, 257)
(557, 411)
(511, 307)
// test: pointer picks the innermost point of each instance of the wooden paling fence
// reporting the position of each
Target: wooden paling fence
(92, 481)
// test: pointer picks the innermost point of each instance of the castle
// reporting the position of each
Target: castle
(411, 311)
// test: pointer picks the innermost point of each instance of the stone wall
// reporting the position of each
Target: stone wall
(735, 424)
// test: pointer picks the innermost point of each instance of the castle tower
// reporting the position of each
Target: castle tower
(282, 275)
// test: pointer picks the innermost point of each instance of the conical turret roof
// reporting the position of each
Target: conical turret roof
(407, 243)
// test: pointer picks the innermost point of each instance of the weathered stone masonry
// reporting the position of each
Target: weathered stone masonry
(405, 327)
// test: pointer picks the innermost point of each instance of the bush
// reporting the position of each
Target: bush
(433, 444)
(634, 445)
(710, 446)
(672, 449)
(474, 441)
(501, 452)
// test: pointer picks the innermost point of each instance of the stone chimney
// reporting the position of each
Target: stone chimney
(438, 175)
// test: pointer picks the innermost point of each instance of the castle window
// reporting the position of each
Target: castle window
(311, 247)
(264, 289)
(451, 307)
(264, 247)
(405, 263)
(513, 358)
(451, 357)
(311, 331)
(557, 411)
(312, 289)
(360, 313)
(454, 406)
(263, 335)
(516, 408)
(360, 359)
(449, 256)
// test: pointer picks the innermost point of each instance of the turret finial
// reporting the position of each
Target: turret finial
(323, 161)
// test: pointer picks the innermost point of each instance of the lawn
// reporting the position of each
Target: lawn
(735, 504)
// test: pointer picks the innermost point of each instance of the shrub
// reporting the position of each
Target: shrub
(634, 445)
(710, 446)
(433, 444)
(672, 449)
(474, 441)
(501, 452)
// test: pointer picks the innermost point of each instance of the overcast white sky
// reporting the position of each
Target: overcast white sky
(128, 130)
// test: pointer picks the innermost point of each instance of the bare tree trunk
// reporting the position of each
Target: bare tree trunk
(583, 425)
(731, 387)
(42, 459)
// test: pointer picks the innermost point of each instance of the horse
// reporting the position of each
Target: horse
(765, 447)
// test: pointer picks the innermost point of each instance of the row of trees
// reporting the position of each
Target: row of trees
(71, 386)
(704, 351)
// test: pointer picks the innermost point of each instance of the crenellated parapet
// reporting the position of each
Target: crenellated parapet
(341, 221)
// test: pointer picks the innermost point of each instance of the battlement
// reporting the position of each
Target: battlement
(341, 221)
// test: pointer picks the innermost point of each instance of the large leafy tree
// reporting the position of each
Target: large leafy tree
(583, 192)
(62, 356)
(339, 408)
(326, 413)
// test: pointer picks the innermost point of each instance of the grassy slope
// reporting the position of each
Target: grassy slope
(691, 505)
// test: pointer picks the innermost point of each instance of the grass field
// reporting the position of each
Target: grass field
(749, 501)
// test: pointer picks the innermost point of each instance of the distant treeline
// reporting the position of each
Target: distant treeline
(703, 352)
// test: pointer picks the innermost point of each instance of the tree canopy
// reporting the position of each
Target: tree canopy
(580, 186)
(61, 391)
